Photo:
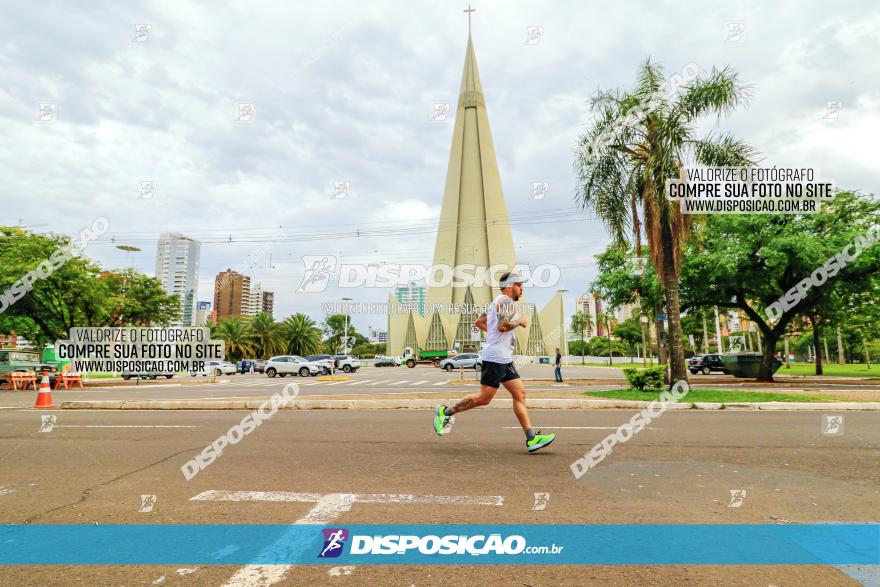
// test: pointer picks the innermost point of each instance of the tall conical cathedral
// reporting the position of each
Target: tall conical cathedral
(473, 230)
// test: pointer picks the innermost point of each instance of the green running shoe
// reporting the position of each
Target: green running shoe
(442, 422)
(539, 441)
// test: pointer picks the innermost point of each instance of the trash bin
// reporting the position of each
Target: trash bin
(747, 364)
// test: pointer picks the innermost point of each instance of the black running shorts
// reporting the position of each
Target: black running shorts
(494, 374)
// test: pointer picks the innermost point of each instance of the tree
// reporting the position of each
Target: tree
(630, 331)
(334, 330)
(135, 299)
(619, 284)
(368, 349)
(580, 321)
(638, 141)
(599, 347)
(236, 334)
(605, 318)
(267, 336)
(748, 261)
(74, 291)
(301, 334)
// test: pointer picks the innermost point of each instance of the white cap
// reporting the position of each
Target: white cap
(511, 279)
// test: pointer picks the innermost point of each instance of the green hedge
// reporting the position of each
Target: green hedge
(648, 379)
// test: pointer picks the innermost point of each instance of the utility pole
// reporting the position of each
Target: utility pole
(840, 358)
(643, 321)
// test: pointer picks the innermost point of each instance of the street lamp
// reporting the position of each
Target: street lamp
(644, 322)
(345, 332)
(564, 348)
(128, 251)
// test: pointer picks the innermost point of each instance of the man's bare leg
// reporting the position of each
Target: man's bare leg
(475, 400)
(518, 393)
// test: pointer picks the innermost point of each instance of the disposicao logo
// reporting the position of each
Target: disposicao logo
(334, 541)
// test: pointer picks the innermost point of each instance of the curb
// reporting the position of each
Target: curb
(427, 404)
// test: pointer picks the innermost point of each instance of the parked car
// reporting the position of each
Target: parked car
(259, 366)
(705, 364)
(348, 363)
(216, 368)
(292, 365)
(382, 361)
(145, 375)
(327, 361)
(464, 360)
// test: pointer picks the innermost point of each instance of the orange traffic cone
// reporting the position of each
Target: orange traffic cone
(44, 397)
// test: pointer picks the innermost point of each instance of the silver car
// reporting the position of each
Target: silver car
(464, 360)
(292, 365)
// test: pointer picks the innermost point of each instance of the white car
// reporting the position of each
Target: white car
(216, 367)
(464, 360)
(292, 365)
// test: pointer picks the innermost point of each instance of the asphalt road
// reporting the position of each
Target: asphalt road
(94, 466)
(423, 379)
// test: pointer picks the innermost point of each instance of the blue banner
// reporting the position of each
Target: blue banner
(457, 544)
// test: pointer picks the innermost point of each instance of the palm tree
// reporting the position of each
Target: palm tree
(580, 321)
(267, 336)
(301, 335)
(638, 140)
(605, 318)
(235, 331)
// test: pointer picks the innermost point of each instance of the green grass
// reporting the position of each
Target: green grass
(616, 365)
(711, 395)
(832, 369)
(829, 369)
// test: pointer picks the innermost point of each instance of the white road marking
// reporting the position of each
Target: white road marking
(288, 496)
(338, 383)
(381, 382)
(359, 381)
(440, 383)
(420, 382)
(405, 381)
(119, 426)
(327, 508)
(4, 490)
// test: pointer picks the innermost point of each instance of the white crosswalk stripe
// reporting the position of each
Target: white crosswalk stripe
(440, 383)
(420, 382)
(381, 382)
(401, 382)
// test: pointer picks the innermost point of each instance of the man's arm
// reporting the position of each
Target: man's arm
(506, 312)
(481, 323)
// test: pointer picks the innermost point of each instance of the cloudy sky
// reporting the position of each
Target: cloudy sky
(344, 91)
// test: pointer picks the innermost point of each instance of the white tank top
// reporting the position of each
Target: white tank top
(499, 345)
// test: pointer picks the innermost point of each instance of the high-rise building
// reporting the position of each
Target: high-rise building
(254, 301)
(590, 304)
(177, 267)
(232, 292)
(203, 312)
(412, 294)
(269, 302)
(473, 233)
(626, 311)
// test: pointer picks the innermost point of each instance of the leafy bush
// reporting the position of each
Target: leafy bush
(649, 379)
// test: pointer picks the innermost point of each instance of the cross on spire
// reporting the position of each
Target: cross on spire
(469, 11)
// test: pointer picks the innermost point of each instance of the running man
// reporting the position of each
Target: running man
(500, 324)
